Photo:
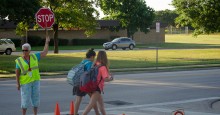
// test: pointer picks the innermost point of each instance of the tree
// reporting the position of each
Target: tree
(132, 14)
(21, 12)
(18, 10)
(68, 14)
(166, 16)
(72, 14)
(203, 15)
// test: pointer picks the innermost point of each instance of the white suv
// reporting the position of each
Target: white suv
(6, 46)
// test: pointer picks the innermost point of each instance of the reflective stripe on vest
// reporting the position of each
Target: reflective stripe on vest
(22, 68)
(23, 72)
(32, 55)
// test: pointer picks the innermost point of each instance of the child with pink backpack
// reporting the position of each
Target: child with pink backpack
(103, 76)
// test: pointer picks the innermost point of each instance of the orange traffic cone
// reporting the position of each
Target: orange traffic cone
(71, 108)
(57, 110)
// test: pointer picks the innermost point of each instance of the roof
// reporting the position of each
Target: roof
(108, 23)
(6, 24)
(102, 23)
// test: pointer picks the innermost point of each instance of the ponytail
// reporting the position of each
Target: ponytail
(90, 53)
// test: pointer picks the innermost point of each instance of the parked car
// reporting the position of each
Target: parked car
(6, 46)
(121, 42)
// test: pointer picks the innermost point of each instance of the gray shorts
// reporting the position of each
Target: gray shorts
(77, 92)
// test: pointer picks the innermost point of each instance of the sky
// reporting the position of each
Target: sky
(157, 5)
(160, 4)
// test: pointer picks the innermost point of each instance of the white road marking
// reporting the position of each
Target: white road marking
(150, 105)
(158, 83)
(126, 113)
(170, 111)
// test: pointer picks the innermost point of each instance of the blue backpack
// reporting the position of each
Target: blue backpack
(73, 77)
(88, 80)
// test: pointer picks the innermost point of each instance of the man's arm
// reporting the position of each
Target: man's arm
(46, 46)
(17, 72)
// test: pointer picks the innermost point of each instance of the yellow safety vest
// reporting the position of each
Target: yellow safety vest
(25, 76)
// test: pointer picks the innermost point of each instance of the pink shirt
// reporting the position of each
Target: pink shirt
(103, 73)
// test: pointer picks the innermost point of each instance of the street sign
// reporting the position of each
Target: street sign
(158, 27)
(45, 18)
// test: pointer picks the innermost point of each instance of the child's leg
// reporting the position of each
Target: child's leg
(92, 102)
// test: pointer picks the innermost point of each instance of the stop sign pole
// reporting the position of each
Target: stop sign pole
(45, 18)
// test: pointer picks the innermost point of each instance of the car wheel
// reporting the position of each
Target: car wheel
(124, 48)
(106, 48)
(114, 47)
(1, 53)
(131, 47)
(8, 52)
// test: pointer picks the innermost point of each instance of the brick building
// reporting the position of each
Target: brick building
(7, 30)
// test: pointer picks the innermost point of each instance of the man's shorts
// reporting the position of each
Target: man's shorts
(77, 92)
(30, 92)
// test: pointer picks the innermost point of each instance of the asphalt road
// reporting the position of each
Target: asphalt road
(133, 94)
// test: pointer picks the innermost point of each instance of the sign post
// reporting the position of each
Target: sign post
(157, 32)
(157, 27)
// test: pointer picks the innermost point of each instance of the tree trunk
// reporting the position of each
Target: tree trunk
(23, 41)
(55, 37)
(128, 32)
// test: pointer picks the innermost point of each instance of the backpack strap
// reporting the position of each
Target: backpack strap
(99, 83)
(85, 62)
(101, 76)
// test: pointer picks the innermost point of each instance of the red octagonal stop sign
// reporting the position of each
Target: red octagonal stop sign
(44, 18)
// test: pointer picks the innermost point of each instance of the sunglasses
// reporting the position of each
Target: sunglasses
(25, 50)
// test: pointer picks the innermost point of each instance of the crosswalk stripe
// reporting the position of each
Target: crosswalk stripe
(163, 110)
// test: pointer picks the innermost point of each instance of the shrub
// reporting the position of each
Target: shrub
(63, 42)
(17, 41)
(34, 40)
(113, 37)
(88, 41)
(42, 43)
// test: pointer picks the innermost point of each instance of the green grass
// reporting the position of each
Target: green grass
(123, 59)
(188, 41)
(201, 39)
(204, 49)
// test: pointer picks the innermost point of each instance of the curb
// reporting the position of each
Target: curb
(143, 70)
(61, 74)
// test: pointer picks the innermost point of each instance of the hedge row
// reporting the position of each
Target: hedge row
(16, 41)
(88, 41)
(38, 41)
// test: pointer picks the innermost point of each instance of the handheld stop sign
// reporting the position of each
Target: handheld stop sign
(45, 18)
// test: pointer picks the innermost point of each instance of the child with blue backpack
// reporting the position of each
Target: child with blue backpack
(88, 61)
(103, 76)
